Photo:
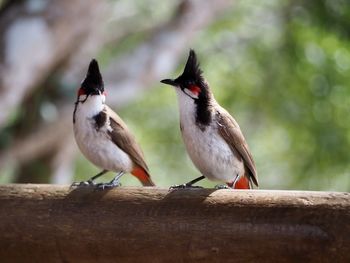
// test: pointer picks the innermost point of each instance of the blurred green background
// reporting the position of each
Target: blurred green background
(281, 68)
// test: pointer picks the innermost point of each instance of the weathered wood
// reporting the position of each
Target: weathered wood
(49, 223)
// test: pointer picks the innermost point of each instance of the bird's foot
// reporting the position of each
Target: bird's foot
(184, 186)
(221, 186)
(83, 183)
(103, 186)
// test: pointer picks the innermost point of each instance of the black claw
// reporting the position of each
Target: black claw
(103, 186)
(221, 186)
(184, 186)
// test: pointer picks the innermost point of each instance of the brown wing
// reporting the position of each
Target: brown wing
(122, 137)
(230, 131)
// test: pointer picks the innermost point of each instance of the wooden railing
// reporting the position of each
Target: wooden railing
(50, 223)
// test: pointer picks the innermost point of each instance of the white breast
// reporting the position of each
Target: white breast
(96, 145)
(207, 149)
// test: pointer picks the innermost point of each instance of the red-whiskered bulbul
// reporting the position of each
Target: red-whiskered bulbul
(102, 136)
(211, 135)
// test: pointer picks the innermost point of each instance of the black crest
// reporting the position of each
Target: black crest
(93, 83)
(193, 75)
(192, 72)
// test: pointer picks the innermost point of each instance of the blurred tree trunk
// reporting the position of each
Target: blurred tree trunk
(36, 36)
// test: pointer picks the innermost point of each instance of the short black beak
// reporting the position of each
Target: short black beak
(169, 82)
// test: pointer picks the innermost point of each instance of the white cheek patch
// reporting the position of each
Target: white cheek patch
(82, 97)
(191, 94)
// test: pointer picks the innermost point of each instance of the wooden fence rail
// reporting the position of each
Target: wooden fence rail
(50, 223)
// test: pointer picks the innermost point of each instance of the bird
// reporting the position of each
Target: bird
(103, 137)
(212, 137)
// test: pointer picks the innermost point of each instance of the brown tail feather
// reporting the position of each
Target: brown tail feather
(143, 176)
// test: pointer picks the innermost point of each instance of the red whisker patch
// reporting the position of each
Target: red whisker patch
(194, 89)
(81, 91)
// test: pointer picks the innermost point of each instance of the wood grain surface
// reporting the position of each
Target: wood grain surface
(51, 223)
